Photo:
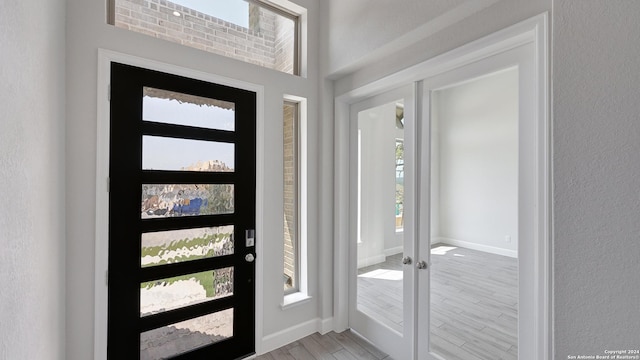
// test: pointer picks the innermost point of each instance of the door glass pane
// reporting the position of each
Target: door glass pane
(166, 247)
(165, 153)
(178, 338)
(474, 219)
(171, 107)
(164, 200)
(172, 293)
(380, 188)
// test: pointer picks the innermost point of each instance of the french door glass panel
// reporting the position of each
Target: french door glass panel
(380, 245)
(382, 298)
(474, 218)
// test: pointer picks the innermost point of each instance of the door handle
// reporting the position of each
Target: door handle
(249, 257)
(421, 265)
(406, 260)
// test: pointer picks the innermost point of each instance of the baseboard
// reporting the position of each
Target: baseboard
(393, 250)
(475, 246)
(326, 326)
(294, 333)
(371, 260)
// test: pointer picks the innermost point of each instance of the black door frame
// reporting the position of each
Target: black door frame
(125, 224)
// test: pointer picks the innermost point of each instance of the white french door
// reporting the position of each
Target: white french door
(382, 242)
(478, 165)
(393, 253)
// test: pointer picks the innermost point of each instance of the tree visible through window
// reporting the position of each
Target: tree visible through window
(399, 184)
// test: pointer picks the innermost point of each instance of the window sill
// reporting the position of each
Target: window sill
(295, 299)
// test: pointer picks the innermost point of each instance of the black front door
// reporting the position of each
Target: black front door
(181, 218)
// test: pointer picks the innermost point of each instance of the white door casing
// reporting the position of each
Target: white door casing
(400, 345)
(520, 57)
(524, 45)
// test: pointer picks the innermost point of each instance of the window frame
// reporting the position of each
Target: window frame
(299, 294)
(297, 194)
(270, 6)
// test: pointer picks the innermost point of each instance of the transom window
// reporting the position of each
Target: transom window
(248, 30)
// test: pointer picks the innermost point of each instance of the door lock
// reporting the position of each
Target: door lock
(421, 265)
(406, 260)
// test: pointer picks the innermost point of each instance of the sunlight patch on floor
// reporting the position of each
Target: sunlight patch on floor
(383, 274)
(442, 250)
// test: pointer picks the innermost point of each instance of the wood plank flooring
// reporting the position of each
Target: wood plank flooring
(474, 302)
(331, 346)
(379, 295)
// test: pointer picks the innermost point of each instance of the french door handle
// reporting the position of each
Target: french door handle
(249, 257)
(421, 265)
(406, 260)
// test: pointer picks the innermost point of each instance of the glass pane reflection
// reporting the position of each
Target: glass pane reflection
(170, 200)
(178, 338)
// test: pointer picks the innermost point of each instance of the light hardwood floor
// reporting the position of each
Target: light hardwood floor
(331, 346)
(474, 302)
(379, 295)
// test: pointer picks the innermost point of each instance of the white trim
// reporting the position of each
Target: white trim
(371, 260)
(105, 57)
(294, 299)
(533, 30)
(289, 335)
(503, 40)
(475, 246)
(302, 196)
(341, 213)
(393, 250)
(326, 326)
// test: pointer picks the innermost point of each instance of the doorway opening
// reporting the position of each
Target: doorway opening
(524, 247)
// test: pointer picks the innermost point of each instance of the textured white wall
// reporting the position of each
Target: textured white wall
(32, 239)
(354, 21)
(477, 161)
(369, 39)
(596, 166)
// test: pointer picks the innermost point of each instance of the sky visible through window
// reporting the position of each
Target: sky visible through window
(233, 11)
(173, 154)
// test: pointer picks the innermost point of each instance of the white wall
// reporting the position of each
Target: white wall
(596, 175)
(32, 237)
(395, 24)
(86, 32)
(596, 142)
(476, 163)
(377, 128)
(362, 50)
